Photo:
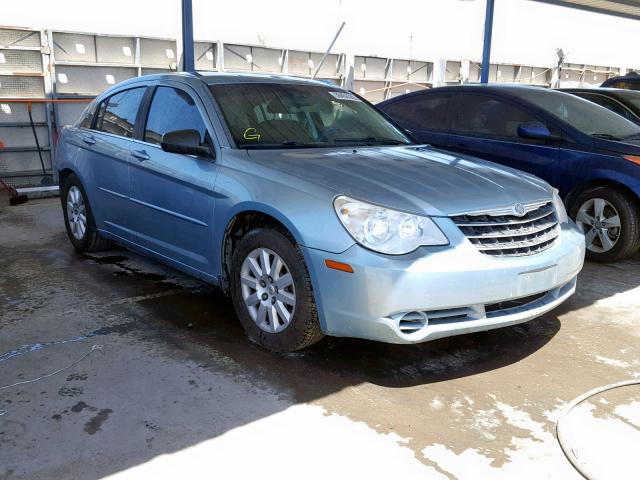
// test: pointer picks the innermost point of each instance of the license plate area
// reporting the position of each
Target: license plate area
(537, 280)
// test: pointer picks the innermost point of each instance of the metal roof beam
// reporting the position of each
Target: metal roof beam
(619, 8)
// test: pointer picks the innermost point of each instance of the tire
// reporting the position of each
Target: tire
(627, 235)
(75, 202)
(275, 334)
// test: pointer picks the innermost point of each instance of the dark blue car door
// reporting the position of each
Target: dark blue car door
(486, 126)
(426, 116)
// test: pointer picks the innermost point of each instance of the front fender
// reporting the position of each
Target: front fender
(254, 206)
(304, 208)
(629, 177)
(605, 177)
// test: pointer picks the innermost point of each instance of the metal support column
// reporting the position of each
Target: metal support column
(188, 64)
(486, 48)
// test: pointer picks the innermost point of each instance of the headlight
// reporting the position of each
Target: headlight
(561, 212)
(385, 230)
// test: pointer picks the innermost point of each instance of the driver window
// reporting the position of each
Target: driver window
(173, 109)
(491, 117)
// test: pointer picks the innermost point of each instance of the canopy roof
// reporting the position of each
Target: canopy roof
(620, 8)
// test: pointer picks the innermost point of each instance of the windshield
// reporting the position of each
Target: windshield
(279, 115)
(581, 114)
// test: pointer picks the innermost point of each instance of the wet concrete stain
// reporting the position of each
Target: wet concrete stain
(107, 260)
(93, 425)
(75, 377)
(120, 329)
(150, 426)
(70, 391)
(124, 270)
(80, 406)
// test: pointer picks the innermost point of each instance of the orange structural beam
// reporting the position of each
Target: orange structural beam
(43, 100)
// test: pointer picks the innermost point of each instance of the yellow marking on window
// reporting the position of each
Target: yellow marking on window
(251, 134)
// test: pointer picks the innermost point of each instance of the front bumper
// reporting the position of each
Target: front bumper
(437, 292)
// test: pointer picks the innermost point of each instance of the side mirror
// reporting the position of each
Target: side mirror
(535, 131)
(185, 142)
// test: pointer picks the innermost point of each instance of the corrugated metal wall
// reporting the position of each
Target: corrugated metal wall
(60, 66)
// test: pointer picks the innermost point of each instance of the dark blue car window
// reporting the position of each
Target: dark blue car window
(581, 114)
(422, 112)
(173, 109)
(610, 104)
(118, 113)
(487, 116)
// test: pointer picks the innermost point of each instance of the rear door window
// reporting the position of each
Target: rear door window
(422, 112)
(171, 110)
(86, 118)
(484, 116)
(117, 114)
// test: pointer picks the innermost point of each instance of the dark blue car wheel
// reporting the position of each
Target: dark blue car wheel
(610, 221)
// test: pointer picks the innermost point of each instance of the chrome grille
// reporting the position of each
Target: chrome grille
(500, 234)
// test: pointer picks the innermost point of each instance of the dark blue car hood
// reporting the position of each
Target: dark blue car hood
(628, 147)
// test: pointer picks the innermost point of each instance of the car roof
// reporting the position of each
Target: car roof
(624, 95)
(215, 78)
(506, 89)
(603, 90)
(632, 77)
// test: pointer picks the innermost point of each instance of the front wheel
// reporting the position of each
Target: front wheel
(272, 293)
(610, 221)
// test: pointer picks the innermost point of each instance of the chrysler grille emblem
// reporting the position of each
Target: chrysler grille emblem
(518, 209)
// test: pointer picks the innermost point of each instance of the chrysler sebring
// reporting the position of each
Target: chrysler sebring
(313, 211)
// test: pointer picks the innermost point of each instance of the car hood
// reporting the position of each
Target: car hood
(417, 179)
(626, 147)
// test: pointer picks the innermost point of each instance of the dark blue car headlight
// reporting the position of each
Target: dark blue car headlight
(385, 230)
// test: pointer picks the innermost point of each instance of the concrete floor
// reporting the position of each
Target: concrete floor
(178, 392)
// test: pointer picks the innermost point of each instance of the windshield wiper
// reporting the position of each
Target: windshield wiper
(371, 140)
(287, 144)
(605, 136)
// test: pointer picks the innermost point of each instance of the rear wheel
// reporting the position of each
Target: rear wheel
(610, 221)
(272, 292)
(78, 218)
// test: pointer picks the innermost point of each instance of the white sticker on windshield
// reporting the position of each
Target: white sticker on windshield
(345, 96)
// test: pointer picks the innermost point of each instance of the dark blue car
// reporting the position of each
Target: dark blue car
(590, 154)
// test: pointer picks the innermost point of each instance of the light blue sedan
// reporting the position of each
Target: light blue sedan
(316, 213)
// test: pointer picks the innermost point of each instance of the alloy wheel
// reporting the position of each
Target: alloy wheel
(600, 223)
(76, 213)
(268, 290)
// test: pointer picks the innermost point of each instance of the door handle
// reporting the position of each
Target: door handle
(140, 155)
(88, 139)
